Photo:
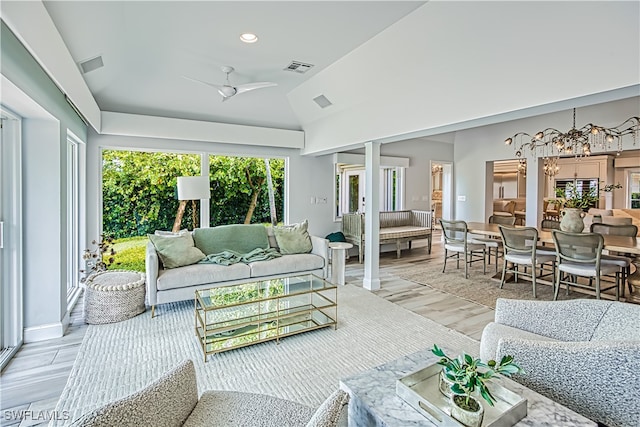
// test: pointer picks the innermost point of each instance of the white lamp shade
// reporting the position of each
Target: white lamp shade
(193, 187)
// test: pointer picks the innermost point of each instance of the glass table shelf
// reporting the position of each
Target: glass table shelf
(235, 316)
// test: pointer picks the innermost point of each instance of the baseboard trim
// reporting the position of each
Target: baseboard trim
(45, 332)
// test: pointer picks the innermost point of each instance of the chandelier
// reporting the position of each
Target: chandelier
(551, 167)
(436, 168)
(578, 142)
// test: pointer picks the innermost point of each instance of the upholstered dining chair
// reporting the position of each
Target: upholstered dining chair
(519, 245)
(493, 243)
(579, 254)
(456, 241)
(624, 261)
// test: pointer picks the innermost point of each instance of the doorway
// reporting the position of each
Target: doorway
(441, 190)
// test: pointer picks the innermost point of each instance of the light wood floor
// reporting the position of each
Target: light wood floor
(33, 381)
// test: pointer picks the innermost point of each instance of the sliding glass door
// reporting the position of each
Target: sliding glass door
(10, 236)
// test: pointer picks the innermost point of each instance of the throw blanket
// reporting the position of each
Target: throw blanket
(231, 257)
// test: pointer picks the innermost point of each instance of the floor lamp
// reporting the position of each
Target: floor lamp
(190, 188)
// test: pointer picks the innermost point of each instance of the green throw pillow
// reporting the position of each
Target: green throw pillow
(293, 239)
(336, 237)
(176, 250)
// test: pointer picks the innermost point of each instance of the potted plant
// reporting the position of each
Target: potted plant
(466, 378)
(575, 203)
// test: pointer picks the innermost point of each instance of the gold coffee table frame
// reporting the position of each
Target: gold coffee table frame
(235, 316)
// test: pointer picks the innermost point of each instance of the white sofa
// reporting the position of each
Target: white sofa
(581, 353)
(178, 284)
(606, 217)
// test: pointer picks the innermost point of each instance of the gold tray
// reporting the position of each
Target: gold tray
(420, 390)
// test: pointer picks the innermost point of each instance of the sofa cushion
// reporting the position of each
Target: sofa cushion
(293, 239)
(199, 274)
(286, 264)
(526, 315)
(176, 250)
(615, 324)
(601, 212)
(232, 408)
(330, 411)
(272, 238)
(241, 238)
(494, 332)
(167, 401)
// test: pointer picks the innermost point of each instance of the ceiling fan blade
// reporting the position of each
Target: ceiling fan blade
(203, 82)
(251, 86)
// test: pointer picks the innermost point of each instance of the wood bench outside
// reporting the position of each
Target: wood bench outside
(395, 227)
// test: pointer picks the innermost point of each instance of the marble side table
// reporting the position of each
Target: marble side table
(338, 255)
(374, 401)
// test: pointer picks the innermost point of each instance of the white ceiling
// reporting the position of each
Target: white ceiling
(148, 46)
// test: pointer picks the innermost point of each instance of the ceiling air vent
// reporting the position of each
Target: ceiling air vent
(322, 101)
(91, 64)
(298, 67)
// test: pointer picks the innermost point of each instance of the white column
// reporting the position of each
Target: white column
(535, 191)
(371, 279)
(205, 215)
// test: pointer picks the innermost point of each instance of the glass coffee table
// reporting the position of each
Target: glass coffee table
(235, 316)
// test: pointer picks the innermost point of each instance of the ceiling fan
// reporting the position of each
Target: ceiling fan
(227, 90)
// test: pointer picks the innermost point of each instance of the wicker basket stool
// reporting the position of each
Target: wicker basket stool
(114, 295)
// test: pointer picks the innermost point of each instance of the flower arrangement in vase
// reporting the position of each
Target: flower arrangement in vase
(465, 378)
(99, 258)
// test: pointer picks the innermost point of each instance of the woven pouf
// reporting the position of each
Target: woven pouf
(113, 296)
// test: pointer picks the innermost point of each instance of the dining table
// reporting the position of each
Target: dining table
(629, 245)
(622, 244)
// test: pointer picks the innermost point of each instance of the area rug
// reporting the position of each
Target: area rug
(117, 359)
(479, 288)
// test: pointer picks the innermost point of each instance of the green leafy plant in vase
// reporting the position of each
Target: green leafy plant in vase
(469, 376)
(569, 196)
(575, 203)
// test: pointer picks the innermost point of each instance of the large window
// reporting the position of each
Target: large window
(581, 186)
(73, 214)
(350, 188)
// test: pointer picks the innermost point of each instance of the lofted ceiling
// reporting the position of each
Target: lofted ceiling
(148, 46)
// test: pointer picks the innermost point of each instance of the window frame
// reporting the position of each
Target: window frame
(392, 183)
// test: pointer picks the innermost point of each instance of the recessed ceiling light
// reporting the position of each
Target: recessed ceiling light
(248, 38)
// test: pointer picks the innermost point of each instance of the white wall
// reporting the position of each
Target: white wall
(474, 147)
(308, 176)
(453, 62)
(43, 261)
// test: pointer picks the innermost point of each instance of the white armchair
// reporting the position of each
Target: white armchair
(581, 353)
(173, 401)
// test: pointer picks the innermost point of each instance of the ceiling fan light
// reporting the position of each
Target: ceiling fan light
(248, 37)
(227, 91)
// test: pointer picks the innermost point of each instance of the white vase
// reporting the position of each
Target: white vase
(572, 221)
(466, 417)
(444, 384)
